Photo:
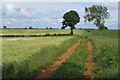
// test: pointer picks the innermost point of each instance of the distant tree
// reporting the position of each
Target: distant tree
(4, 27)
(25, 28)
(30, 27)
(70, 19)
(50, 28)
(97, 14)
(47, 28)
(106, 28)
(62, 27)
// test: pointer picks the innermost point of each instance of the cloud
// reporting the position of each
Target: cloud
(12, 19)
(60, 20)
(60, 0)
(56, 17)
(7, 22)
(55, 23)
(10, 8)
(25, 12)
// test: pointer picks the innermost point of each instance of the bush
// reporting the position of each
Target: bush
(35, 35)
(30, 27)
(87, 30)
(47, 35)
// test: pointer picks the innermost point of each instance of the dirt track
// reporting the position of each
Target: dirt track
(48, 72)
(90, 65)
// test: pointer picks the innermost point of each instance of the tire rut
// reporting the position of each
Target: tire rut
(48, 72)
(90, 65)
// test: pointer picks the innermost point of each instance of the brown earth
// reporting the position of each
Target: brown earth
(48, 72)
(90, 65)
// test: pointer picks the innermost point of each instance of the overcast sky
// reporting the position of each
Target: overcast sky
(49, 14)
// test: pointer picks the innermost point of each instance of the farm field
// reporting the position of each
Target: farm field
(37, 31)
(18, 51)
(27, 46)
(23, 56)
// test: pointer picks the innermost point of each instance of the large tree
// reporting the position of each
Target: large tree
(4, 27)
(70, 19)
(97, 14)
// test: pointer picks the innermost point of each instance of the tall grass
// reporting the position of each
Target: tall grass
(37, 61)
(106, 54)
(14, 49)
(74, 66)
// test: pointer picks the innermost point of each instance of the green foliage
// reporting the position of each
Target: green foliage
(96, 14)
(71, 18)
(30, 27)
(4, 27)
(105, 27)
(35, 35)
(63, 27)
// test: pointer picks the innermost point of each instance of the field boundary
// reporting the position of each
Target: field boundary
(35, 35)
(48, 72)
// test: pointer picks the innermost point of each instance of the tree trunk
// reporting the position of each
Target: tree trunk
(71, 33)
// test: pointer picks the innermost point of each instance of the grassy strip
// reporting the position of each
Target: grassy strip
(74, 66)
(39, 60)
(106, 56)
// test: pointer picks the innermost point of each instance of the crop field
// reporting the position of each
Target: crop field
(28, 46)
(18, 51)
(26, 56)
(37, 31)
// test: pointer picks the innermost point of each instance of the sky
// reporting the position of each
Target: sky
(60, 0)
(49, 14)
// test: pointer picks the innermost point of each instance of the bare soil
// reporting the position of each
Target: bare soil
(90, 65)
(48, 72)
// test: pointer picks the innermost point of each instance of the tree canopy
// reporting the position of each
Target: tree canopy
(30, 27)
(70, 19)
(4, 27)
(96, 14)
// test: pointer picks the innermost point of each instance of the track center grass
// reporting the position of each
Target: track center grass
(74, 66)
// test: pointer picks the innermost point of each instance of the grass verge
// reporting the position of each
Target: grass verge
(106, 56)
